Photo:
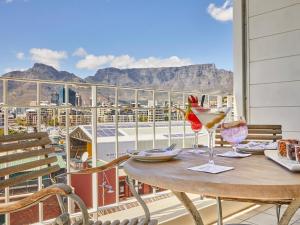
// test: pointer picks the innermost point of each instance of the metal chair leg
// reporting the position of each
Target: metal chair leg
(219, 210)
(278, 209)
(138, 198)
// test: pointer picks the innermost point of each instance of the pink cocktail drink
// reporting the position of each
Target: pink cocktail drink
(234, 132)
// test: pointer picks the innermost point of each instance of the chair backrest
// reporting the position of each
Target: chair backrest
(255, 133)
(25, 157)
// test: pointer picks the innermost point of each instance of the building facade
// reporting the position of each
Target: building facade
(266, 62)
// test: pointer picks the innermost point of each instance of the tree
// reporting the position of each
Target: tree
(21, 121)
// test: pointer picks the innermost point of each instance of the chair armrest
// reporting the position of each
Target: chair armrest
(107, 166)
(56, 189)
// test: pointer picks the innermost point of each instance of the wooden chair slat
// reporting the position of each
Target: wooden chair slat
(26, 166)
(219, 142)
(115, 222)
(257, 137)
(134, 221)
(22, 136)
(256, 133)
(24, 155)
(263, 126)
(30, 175)
(106, 223)
(124, 222)
(260, 131)
(142, 222)
(29, 144)
(265, 131)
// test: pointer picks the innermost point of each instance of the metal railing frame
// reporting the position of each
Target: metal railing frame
(93, 108)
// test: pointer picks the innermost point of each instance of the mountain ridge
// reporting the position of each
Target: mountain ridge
(204, 78)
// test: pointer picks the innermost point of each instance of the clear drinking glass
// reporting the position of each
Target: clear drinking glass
(211, 121)
(234, 132)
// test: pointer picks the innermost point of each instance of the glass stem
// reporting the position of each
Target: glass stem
(211, 148)
(196, 140)
(234, 147)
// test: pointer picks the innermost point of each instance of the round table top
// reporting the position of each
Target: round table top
(254, 177)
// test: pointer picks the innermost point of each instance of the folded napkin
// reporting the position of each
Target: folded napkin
(207, 168)
(258, 145)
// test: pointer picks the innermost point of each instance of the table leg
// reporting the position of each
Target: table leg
(138, 198)
(289, 212)
(189, 206)
(219, 210)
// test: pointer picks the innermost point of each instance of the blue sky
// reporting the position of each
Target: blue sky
(82, 35)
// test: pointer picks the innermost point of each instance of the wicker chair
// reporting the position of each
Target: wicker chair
(27, 157)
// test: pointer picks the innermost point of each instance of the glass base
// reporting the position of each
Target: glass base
(197, 151)
(233, 154)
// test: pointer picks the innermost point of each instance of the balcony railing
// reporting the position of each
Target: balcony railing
(110, 106)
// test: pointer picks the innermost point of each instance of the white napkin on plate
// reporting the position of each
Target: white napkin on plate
(258, 145)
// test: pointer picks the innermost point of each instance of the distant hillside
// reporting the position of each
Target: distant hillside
(205, 77)
(201, 78)
(19, 91)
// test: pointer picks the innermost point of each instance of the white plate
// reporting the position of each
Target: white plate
(289, 164)
(254, 151)
(155, 157)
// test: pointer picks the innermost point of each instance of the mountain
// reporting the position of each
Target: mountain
(26, 91)
(201, 78)
(44, 72)
(205, 78)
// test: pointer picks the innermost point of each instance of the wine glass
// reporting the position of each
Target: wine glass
(196, 127)
(211, 121)
(234, 132)
(196, 124)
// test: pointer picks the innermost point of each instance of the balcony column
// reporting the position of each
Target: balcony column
(170, 114)
(208, 101)
(219, 101)
(184, 122)
(117, 191)
(136, 94)
(5, 109)
(229, 101)
(38, 126)
(154, 120)
(94, 149)
(68, 150)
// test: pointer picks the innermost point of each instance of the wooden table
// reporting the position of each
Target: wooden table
(255, 178)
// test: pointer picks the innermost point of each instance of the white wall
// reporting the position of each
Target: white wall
(273, 74)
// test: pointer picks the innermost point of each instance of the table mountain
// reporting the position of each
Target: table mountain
(201, 78)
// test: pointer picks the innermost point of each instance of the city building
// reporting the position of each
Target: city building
(1, 118)
(72, 96)
(54, 98)
(78, 99)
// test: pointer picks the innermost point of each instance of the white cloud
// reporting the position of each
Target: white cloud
(8, 1)
(92, 62)
(20, 55)
(7, 70)
(223, 13)
(48, 56)
(81, 52)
